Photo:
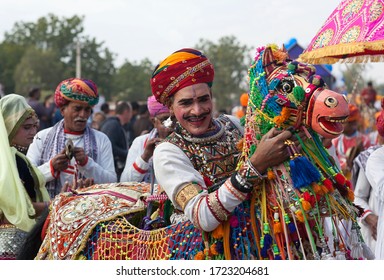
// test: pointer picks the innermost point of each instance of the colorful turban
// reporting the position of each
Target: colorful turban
(183, 68)
(354, 113)
(15, 111)
(155, 108)
(77, 90)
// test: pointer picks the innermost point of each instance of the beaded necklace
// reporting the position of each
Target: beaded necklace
(20, 148)
(213, 154)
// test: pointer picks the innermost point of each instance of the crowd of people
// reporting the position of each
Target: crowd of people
(61, 144)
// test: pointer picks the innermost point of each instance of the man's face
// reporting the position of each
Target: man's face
(76, 115)
(192, 107)
(161, 128)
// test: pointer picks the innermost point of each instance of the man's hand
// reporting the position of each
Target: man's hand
(149, 148)
(60, 161)
(80, 156)
(271, 150)
(372, 220)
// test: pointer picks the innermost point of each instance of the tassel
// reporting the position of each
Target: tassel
(317, 189)
(357, 252)
(324, 189)
(350, 195)
(367, 252)
(299, 216)
(340, 255)
(328, 184)
(340, 179)
(271, 175)
(306, 205)
(302, 171)
(327, 256)
(291, 225)
(277, 228)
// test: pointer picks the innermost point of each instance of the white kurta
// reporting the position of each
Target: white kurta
(102, 170)
(375, 176)
(136, 169)
(173, 170)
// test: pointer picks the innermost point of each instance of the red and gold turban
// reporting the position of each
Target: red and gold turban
(77, 90)
(183, 68)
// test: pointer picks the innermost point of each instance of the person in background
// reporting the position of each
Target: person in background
(196, 164)
(139, 165)
(97, 120)
(105, 109)
(365, 196)
(129, 127)
(44, 113)
(70, 151)
(113, 127)
(143, 123)
(368, 94)
(23, 195)
(351, 142)
(373, 218)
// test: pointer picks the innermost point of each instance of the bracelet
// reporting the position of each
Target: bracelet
(254, 169)
(240, 183)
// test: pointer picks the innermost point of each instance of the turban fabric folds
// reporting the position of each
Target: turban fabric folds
(77, 90)
(156, 108)
(183, 68)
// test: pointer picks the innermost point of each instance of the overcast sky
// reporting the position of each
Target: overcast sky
(153, 29)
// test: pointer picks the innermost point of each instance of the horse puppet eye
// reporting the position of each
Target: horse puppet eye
(287, 86)
(331, 102)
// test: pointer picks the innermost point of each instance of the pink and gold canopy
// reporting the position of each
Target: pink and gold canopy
(353, 33)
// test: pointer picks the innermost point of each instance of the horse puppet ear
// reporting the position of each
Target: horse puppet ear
(284, 49)
(268, 61)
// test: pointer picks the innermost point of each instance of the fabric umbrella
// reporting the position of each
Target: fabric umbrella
(353, 33)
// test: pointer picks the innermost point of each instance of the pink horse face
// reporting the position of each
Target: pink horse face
(296, 86)
(326, 113)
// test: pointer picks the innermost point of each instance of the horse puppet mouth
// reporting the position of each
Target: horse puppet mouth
(332, 125)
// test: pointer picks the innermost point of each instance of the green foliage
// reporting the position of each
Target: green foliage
(132, 81)
(37, 68)
(10, 55)
(231, 63)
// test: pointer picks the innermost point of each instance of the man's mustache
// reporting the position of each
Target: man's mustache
(203, 115)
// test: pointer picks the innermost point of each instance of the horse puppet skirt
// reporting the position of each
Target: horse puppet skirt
(303, 209)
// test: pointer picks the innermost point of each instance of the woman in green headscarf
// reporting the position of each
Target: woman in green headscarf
(23, 195)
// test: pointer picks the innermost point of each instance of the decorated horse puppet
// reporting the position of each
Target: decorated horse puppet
(296, 212)
(305, 206)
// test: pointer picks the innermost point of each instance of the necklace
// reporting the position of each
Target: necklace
(21, 149)
(206, 138)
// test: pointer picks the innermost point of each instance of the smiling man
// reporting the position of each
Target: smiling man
(196, 165)
(92, 160)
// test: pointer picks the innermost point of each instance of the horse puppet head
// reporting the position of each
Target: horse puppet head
(287, 93)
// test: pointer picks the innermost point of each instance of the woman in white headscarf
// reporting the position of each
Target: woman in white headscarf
(23, 195)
